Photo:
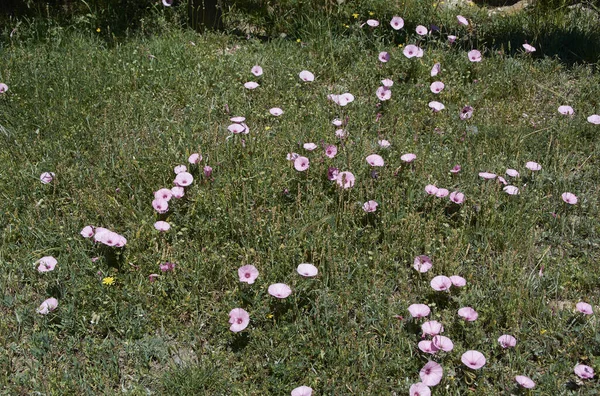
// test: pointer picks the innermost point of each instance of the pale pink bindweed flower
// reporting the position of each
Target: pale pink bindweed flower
(569, 198)
(167, 267)
(167, 3)
(374, 160)
(457, 197)
(248, 274)
(292, 156)
(179, 169)
(468, 314)
(239, 319)
(305, 75)
(566, 110)
(257, 70)
(307, 270)
(47, 306)
(177, 192)
(421, 30)
(507, 341)
(594, 119)
(432, 328)
(431, 189)
(301, 164)
(451, 39)
(462, 20)
(47, 264)
(341, 133)
(525, 382)
(409, 157)
(87, 232)
(419, 310)
(373, 22)
(436, 106)
(384, 143)
(337, 122)
(474, 56)
(437, 87)
(528, 48)
(422, 263)
(387, 83)
(419, 389)
(487, 175)
(345, 179)
(443, 343)
(435, 70)
(47, 177)
(458, 281)
(410, 51)
(332, 173)
(162, 226)
(466, 113)
(238, 119)
(195, 158)
(584, 308)
(383, 93)
(384, 57)
(3, 88)
(502, 180)
(183, 179)
(237, 128)
(427, 347)
(441, 283)
(309, 146)
(456, 169)
(302, 391)
(276, 111)
(512, 173)
(330, 151)
(431, 374)
(442, 192)
(153, 277)
(251, 85)
(397, 23)
(160, 205)
(583, 371)
(473, 359)
(511, 190)
(279, 290)
(533, 166)
(163, 193)
(370, 206)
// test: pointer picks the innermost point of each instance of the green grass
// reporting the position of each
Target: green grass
(113, 120)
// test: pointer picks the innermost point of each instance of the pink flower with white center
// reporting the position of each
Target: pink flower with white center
(422, 263)
(47, 264)
(435, 70)
(594, 119)
(276, 111)
(502, 180)
(569, 198)
(397, 23)
(374, 160)
(410, 51)
(419, 310)
(107, 237)
(373, 22)
(195, 158)
(341, 133)
(184, 179)
(279, 290)
(3, 88)
(305, 75)
(87, 232)
(346, 98)
(48, 306)
(257, 71)
(436, 106)
(456, 169)
(421, 30)
(583, 371)
(437, 87)
(466, 113)
(330, 151)
(370, 206)
(441, 283)
(309, 146)
(507, 341)
(431, 374)
(427, 347)
(451, 39)
(248, 274)
(528, 48)
(458, 281)
(432, 328)
(337, 122)
(179, 169)
(384, 143)
(302, 391)
(345, 179)
(177, 192)
(468, 314)
(332, 173)
(409, 157)
(383, 93)
(163, 193)
(160, 205)
(384, 57)
(167, 267)
(457, 197)
(431, 189)
(566, 110)
(474, 56)
(462, 20)
(236, 128)
(251, 85)
(419, 389)
(239, 319)
(512, 173)
(442, 192)
(162, 226)
(525, 382)
(307, 270)
(238, 119)
(292, 156)
(511, 190)
(47, 177)
(473, 359)
(387, 83)
(487, 175)
(584, 308)
(443, 343)
(301, 164)
(533, 166)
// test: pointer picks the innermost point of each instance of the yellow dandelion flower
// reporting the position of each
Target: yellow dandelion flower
(355, 15)
(543, 331)
(371, 13)
(269, 316)
(267, 128)
(98, 30)
(109, 280)
(298, 40)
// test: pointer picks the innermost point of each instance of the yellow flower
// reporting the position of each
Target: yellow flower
(543, 331)
(347, 26)
(98, 30)
(109, 280)
(355, 15)
(267, 128)
(269, 316)
(400, 45)
(371, 13)
(298, 40)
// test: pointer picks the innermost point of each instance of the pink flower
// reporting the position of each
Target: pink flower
(419, 389)
(302, 391)
(410, 51)
(512, 173)
(421, 30)
(332, 173)
(437, 87)
(47, 177)
(309, 146)
(301, 164)
(292, 156)
(466, 113)
(569, 198)
(184, 179)
(473, 359)
(276, 111)
(177, 192)
(167, 3)
(330, 151)
(487, 175)
(236, 128)
(462, 20)
(457, 197)
(427, 347)
(87, 232)
(436, 69)
(162, 226)
(384, 57)
(528, 48)
(431, 189)
(279, 290)
(507, 341)
(373, 22)
(387, 83)
(419, 310)
(3, 88)
(340, 133)
(443, 343)
(239, 319)
(305, 75)
(257, 71)
(307, 270)
(511, 190)
(458, 281)
(383, 143)
(594, 119)
(441, 283)
(451, 39)
(397, 23)
(47, 264)
(422, 263)
(160, 205)
(337, 122)
(179, 169)
(436, 106)
(152, 277)
(207, 171)
(195, 158)
(163, 193)
(47, 306)
(474, 56)
(237, 119)
(525, 382)
(566, 110)
(533, 166)
(583, 371)
(410, 157)
(370, 206)
(375, 160)
(432, 328)
(248, 274)
(468, 314)
(345, 179)
(431, 374)
(442, 192)
(251, 85)
(167, 267)
(383, 93)
(584, 308)
(456, 169)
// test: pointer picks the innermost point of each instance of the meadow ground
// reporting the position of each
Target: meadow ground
(111, 121)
